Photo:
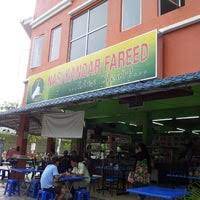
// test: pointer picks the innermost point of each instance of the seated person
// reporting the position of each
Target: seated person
(64, 163)
(73, 153)
(80, 169)
(49, 176)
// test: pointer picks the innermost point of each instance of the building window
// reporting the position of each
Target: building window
(170, 5)
(36, 53)
(89, 32)
(131, 13)
(55, 43)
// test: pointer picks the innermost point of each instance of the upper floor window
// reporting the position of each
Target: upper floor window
(36, 53)
(55, 43)
(131, 13)
(89, 32)
(169, 5)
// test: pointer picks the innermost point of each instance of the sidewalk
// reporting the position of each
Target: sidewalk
(3, 197)
(96, 196)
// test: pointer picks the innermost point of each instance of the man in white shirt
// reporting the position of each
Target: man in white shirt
(80, 169)
(50, 175)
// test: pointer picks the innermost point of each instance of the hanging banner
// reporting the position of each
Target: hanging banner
(63, 125)
(127, 62)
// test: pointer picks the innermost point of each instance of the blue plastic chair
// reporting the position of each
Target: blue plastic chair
(34, 188)
(46, 195)
(82, 194)
(4, 174)
(95, 178)
(111, 179)
(12, 187)
(95, 182)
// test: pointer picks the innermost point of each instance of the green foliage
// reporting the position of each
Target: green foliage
(8, 106)
(9, 140)
(4, 136)
(66, 145)
(34, 138)
(194, 192)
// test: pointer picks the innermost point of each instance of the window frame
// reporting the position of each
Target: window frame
(181, 3)
(51, 39)
(33, 47)
(87, 30)
(122, 14)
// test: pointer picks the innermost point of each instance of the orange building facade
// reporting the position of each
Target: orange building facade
(179, 41)
(67, 31)
(177, 26)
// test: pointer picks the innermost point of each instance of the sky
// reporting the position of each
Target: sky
(14, 48)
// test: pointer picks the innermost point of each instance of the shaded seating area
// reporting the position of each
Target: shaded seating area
(113, 127)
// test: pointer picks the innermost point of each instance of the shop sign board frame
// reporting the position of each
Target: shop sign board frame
(127, 62)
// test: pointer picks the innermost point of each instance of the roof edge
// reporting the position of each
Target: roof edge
(33, 23)
(141, 86)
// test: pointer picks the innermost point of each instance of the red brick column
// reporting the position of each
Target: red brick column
(22, 143)
(22, 138)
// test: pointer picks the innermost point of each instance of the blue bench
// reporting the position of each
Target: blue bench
(159, 192)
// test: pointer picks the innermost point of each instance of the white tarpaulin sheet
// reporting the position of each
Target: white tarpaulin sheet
(63, 125)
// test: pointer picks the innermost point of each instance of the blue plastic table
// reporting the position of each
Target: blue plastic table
(117, 173)
(112, 168)
(25, 183)
(159, 192)
(69, 180)
(184, 177)
(26, 170)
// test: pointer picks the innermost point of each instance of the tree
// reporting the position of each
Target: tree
(34, 138)
(5, 106)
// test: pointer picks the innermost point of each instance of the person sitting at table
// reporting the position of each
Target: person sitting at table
(80, 169)
(43, 162)
(13, 152)
(140, 175)
(49, 176)
(73, 154)
(64, 163)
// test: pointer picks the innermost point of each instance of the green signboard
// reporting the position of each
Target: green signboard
(129, 61)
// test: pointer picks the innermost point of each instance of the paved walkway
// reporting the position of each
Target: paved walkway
(96, 196)
(3, 197)
(104, 196)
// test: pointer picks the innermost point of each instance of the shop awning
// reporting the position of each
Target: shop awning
(35, 110)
